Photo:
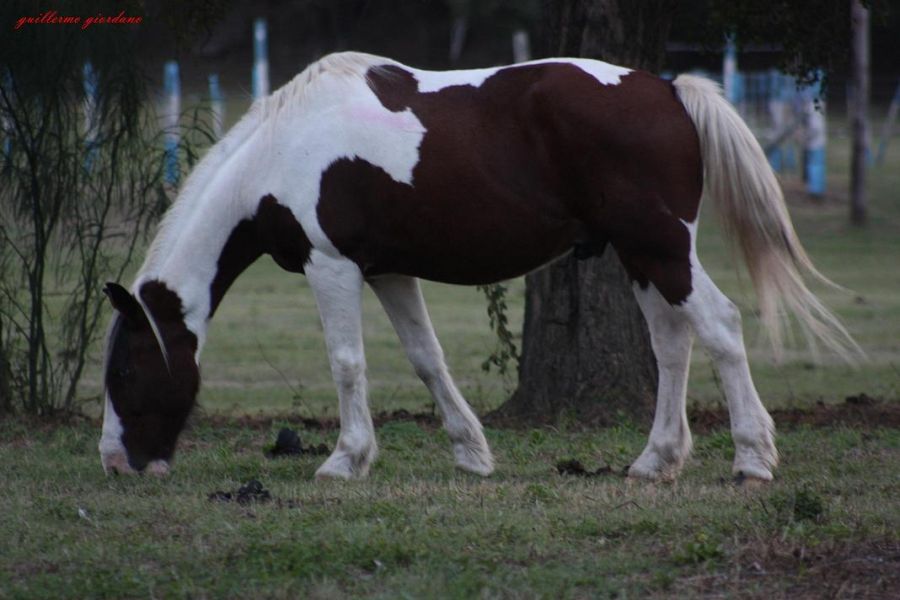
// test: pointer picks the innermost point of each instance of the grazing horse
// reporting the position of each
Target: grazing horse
(364, 170)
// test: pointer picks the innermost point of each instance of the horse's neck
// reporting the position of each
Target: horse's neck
(198, 257)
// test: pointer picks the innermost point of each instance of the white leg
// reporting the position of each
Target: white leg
(337, 284)
(670, 438)
(717, 322)
(403, 302)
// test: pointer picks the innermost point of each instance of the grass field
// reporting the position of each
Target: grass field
(826, 527)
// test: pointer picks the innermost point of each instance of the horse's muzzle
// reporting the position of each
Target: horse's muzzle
(116, 463)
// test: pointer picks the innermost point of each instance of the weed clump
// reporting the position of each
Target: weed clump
(700, 549)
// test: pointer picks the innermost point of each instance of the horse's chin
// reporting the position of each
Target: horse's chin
(117, 464)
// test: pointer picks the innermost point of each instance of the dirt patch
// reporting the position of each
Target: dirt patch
(251, 492)
(322, 423)
(574, 467)
(861, 411)
(776, 570)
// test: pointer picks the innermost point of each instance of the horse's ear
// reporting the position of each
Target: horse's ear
(124, 302)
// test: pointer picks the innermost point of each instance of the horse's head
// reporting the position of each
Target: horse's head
(151, 379)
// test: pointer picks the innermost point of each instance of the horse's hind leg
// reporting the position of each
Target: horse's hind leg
(717, 322)
(337, 284)
(403, 302)
(675, 290)
(671, 338)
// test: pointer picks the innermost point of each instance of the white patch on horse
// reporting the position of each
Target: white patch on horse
(112, 451)
(435, 81)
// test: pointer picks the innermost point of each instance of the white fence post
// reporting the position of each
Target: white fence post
(458, 37)
(521, 46)
(260, 59)
(172, 86)
(216, 106)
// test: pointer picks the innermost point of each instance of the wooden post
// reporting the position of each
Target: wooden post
(859, 79)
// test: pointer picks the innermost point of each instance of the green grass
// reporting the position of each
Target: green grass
(419, 528)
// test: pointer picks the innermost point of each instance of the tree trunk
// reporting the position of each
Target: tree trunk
(585, 346)
(859, 80)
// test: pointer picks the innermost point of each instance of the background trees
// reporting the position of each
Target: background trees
(80, 185)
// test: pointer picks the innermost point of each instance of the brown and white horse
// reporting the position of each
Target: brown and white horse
(363, 170)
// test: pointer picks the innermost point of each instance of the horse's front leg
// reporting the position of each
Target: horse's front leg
(403, 302)
(337, 284)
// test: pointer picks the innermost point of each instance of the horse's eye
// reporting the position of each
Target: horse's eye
(124, 372)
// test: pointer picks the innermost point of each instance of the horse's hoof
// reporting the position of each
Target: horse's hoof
(344, 467)
(333, 475)
(641, 472)
(478, 461)
(750, 481)
(157, 468)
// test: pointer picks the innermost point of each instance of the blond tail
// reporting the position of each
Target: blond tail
(739, 180)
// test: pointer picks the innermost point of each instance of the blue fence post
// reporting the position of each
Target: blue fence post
(172, 86)
(778, 114)
(260, 59)
(89, 78)
(816, 139)
(729, 71)
(216, 105)
(7, 138)
(789, 95)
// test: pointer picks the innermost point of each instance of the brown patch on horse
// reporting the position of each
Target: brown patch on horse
(273, 230)
(515, 172)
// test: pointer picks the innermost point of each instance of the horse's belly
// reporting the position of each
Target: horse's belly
(454, 229)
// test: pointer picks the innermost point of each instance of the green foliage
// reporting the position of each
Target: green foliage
(799, 505)
(78, 183)
(506, 351)
(81, 180)
(702, 547)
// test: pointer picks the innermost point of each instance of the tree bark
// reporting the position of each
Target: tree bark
(859, 80)
(585, 346)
